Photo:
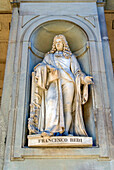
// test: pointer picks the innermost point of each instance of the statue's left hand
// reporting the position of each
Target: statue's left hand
(88, 80)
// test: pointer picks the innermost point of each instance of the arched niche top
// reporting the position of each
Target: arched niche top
(42, 37)
(83, 24)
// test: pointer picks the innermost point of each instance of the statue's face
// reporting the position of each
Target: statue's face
(59, 44)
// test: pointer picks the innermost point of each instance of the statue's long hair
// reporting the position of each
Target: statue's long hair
(66, 50)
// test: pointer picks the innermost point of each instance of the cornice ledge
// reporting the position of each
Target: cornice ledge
(53, 1)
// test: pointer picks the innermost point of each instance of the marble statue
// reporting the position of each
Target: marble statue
(59, 89)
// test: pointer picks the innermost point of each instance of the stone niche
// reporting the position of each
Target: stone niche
(41, 42)
(34, 38)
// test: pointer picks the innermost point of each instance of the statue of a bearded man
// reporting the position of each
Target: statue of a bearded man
(57, 96)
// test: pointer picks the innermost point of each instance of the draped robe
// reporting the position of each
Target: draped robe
(51, 116)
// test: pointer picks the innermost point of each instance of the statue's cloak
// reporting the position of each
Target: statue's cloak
(51, 113)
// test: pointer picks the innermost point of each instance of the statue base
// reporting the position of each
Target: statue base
(59, 141)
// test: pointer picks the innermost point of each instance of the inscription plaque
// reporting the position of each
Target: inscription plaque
(59, 141)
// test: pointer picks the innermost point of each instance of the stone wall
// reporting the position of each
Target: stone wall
(5, 21)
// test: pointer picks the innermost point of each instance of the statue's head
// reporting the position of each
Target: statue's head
(60, 44)
(59, 41)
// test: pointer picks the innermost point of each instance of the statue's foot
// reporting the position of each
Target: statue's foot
(44, 134)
